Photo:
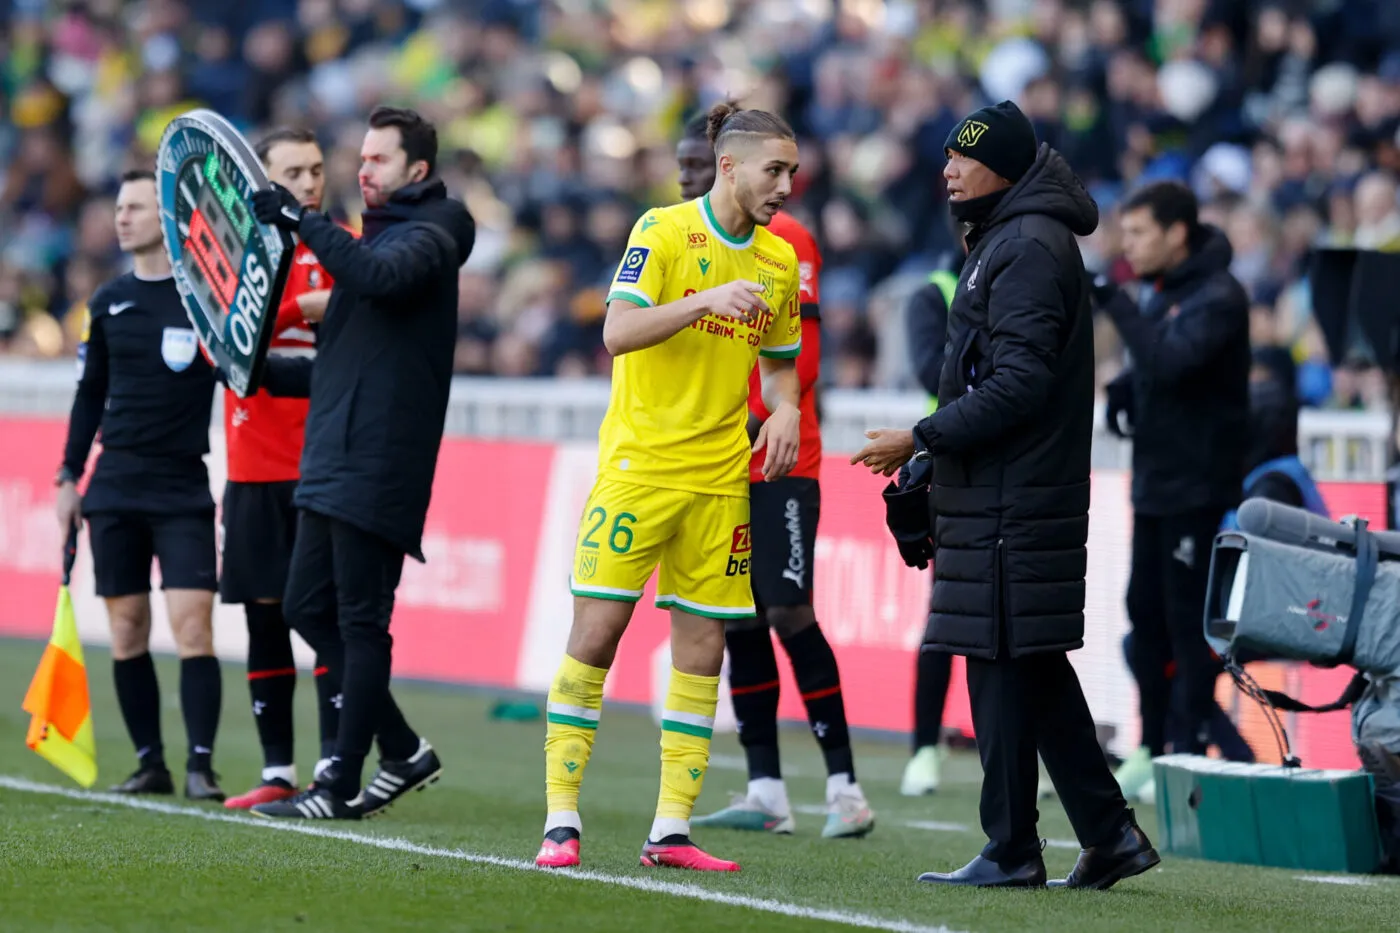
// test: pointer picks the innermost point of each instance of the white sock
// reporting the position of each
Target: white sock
(564, 819)
(840, 784)
(286, 773)
(664, 826)
(321, 766)
(771, 794)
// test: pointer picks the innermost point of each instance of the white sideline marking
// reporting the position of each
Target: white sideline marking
(671, 888)
(1337, 879)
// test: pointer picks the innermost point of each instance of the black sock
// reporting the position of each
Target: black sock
(201, 696)
(753, 684)
(328, 700)
(814, 668)
(934, 670)
(138, 695)
(272, 681)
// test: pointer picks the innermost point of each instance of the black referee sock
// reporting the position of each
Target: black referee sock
(814, 667)
(934, 671)
(328, 700)
(201, 696)
(138, 695)
(753, 685)
(272, 681)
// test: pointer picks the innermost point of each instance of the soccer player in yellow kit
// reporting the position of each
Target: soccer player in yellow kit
(702, 291)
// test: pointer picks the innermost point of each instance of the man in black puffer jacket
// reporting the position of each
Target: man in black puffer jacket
(379, 388)
(1186, 393)
(1011, 442)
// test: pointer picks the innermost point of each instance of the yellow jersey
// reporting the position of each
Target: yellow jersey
(677, 414)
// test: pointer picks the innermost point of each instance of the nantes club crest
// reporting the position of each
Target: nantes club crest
(229, 268)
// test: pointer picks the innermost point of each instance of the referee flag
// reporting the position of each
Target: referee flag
(60, 725)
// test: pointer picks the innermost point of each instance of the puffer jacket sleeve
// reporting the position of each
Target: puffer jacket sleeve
(1027, 315)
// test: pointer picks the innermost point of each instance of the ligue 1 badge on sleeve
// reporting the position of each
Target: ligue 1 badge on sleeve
(229, 268)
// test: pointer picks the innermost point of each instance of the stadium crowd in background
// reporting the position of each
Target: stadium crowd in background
(559, 121)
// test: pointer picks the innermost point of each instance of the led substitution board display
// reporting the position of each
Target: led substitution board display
(229, 268)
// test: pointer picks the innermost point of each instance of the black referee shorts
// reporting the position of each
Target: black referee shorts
(259, 526)
(124, 543)
(783, 516)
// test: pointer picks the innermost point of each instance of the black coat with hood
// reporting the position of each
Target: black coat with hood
(1011, 437)
(383, 369)
(1189, 344)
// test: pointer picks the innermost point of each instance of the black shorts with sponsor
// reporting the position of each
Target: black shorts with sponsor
(259, 527)
(784, 516)
(124, 544)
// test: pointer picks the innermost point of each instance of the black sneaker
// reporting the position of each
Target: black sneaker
(318, 803)
(147, 780)
(396, 778)
(204, 785)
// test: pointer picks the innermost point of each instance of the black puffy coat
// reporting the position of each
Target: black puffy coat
(1190, 377)
(383, 369)
(1011, 438)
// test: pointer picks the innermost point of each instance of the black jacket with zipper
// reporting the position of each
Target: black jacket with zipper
(1190, 379)
(1011, 437)
(383, 370)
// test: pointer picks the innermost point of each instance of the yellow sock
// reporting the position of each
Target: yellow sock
(686, 727)
(571, 722)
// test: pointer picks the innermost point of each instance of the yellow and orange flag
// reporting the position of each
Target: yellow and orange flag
(60, 727)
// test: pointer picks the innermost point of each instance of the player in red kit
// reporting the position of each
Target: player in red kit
(784, 515)
(264, 437)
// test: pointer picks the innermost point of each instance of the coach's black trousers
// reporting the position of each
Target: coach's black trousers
(1029, 704)
(1166, 603)
(340, 596)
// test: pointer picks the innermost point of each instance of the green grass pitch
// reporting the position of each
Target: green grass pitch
(457, 857)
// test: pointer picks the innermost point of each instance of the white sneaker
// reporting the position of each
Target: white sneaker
(747, 812)
(848, 814)
(1135, 773)
(921, 775)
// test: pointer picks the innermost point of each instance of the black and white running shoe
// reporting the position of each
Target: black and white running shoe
(315, 803)
(396, 778)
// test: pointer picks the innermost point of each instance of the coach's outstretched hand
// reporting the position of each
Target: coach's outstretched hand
(888, 450)
(278, 207)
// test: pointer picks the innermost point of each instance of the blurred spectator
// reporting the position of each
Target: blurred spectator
(558, 121)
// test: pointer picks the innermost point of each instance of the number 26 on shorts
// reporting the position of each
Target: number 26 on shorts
(619, 536)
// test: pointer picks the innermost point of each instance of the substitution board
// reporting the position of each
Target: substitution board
(229, 268)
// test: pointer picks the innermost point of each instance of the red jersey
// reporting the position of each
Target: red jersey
(264, 434)
(809, 263)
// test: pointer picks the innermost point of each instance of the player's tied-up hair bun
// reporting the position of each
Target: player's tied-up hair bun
(729, 119)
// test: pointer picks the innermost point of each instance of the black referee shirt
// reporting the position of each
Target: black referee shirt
(143, 380)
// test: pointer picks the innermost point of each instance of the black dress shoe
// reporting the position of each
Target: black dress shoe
(155, 780)
(1127, 853)
(203, 785)
(984, 873)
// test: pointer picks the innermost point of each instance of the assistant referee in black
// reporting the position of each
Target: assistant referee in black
(144, 383)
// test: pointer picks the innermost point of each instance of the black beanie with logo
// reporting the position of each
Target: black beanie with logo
(1000, 137)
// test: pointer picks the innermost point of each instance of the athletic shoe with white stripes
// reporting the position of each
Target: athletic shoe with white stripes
(315, 803)
(396, 778)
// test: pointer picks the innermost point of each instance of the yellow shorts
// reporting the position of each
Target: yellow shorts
(700, 541)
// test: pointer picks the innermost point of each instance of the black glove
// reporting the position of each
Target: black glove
(278, 207)
(1103, 291)
(1120, 402)
(907, 515)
